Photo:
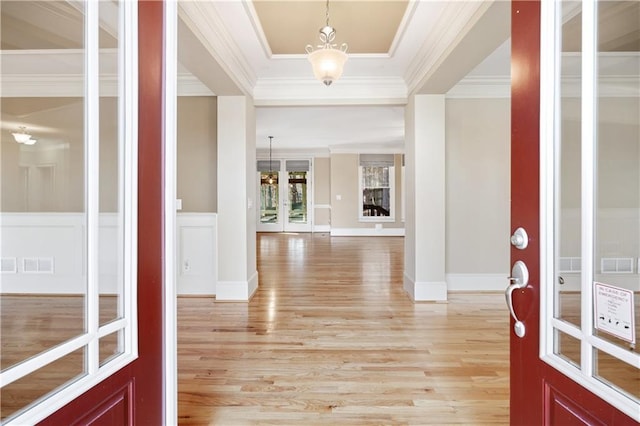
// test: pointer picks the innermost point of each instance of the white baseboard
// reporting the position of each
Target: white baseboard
(321, 228)
(477, 282)
(193, 285)
(424, 291)
(236, 291)
(253, 285)
(367, 232)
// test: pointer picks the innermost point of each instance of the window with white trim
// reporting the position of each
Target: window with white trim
(79, 322)
(377, 187)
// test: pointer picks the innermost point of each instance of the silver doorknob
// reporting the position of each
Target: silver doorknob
(519, 279)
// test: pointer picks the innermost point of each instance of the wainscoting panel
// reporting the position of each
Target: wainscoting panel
(197, 256)
(52, 239)
(45, 253)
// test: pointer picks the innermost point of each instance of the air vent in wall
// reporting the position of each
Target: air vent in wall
(37, 265)
(619, 265)
(569, 264)
(9, 265)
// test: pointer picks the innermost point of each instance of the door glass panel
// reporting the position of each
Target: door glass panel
(43, 179)
(567, 347)
(297, 197)
(57, 176)
(617, 168)
(18, 395)
(617, 374)
(110, 346)
(111, 232)
(568, 186)
(269, 198)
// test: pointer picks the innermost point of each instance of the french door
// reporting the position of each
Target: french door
(285, 198)
(575, 212)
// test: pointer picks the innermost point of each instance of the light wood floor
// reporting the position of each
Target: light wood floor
(331, 338)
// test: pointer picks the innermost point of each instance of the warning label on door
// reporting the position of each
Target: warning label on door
(614, 311)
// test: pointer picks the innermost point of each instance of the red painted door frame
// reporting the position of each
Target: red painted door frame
(135, 394)
(540, 395)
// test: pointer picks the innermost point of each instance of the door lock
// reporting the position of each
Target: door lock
(520, 239)
(519, 279)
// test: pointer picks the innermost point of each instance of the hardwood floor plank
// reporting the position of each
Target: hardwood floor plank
(331, 338)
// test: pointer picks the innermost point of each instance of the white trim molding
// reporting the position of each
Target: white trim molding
(367, 232)
(237, 291)
(350, 91)
(318, 229)
(422, 291)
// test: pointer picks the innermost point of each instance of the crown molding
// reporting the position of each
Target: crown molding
(614, 86)
(257, 27)
(481, 88)
(291, 153)
(203, 19)
(455, 21)
(72, 85)
(346, 91)
(364, 149)
(402, 28)
(189, 85)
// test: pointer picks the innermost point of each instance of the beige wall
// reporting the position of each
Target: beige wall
(618, 179)
(197, 154)
(49, 175)
(344, 183)
(477, 186)
(56, 162)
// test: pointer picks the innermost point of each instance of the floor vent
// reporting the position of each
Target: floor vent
(37, 265)
(9, 265)
(619, 265)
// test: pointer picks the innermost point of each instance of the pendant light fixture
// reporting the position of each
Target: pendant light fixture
(21, 136)
(270, 178)
(327, 60)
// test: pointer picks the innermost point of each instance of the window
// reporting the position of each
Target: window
(377, 181)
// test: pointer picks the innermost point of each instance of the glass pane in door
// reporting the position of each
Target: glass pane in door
(269, 201)
(297, 197)
(617, 170)
(42, 176)
(568, 201)
(111, 233)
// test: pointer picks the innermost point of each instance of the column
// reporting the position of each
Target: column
(236, 246)
(424, 263)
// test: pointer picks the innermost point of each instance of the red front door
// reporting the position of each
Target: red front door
(135, 394)
(540, 394)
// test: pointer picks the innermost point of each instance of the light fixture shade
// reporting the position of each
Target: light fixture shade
(21, 137)
(327, 64)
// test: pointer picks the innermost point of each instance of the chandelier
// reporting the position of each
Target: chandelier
(270, 179)
(327, 60)
(21, 136)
